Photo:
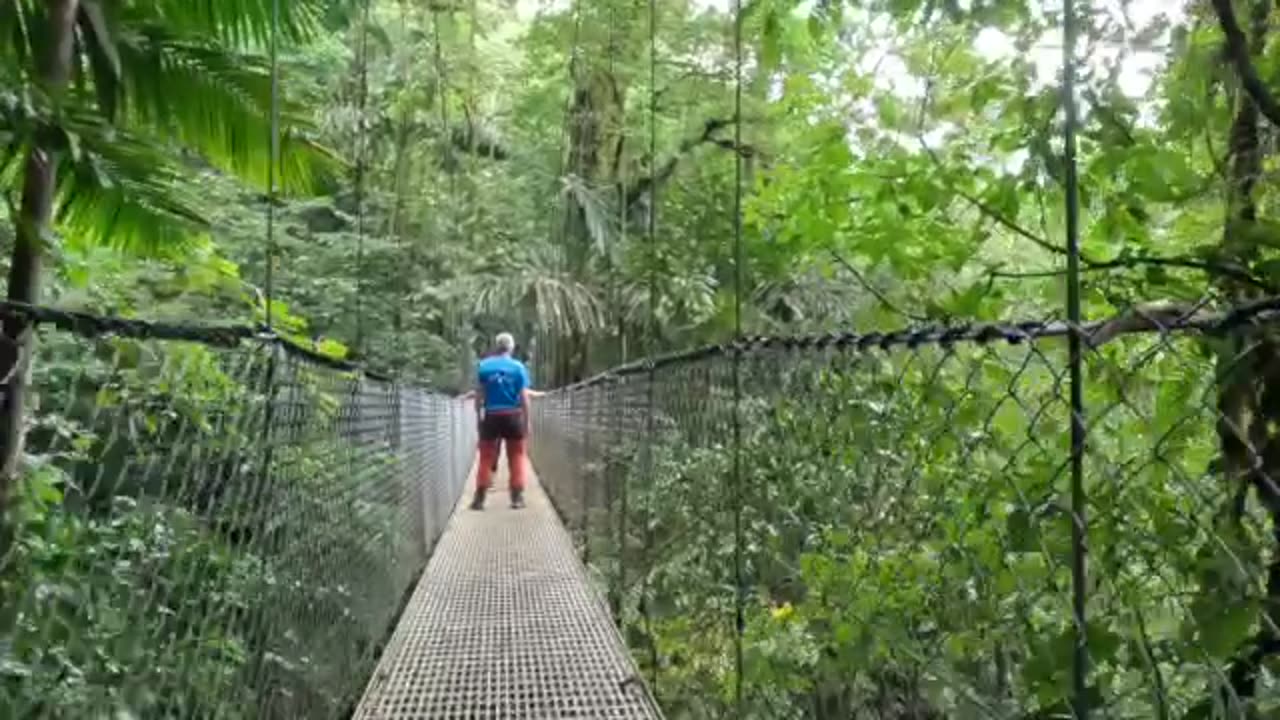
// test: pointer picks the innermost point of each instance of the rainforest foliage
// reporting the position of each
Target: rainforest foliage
(570, 172)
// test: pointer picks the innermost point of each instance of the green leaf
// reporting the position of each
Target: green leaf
(1048, 669)
(1022, 534)
(771, 41)
(237, 23)
(1104, 643)
(816, 29)
(1157, 274)
(1162, 174)
(1223, 625)
(1269, 269)
(889, 109)
(217, 102)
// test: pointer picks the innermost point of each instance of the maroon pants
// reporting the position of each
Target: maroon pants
(495, 429)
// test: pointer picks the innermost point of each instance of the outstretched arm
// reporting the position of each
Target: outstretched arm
(526, 394)
(478, 394)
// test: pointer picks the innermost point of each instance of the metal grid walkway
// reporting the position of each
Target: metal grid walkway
(503, 624)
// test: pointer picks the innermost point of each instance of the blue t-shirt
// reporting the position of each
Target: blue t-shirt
(504, 380)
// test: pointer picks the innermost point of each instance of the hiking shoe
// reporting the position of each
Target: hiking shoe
(517, 500)
(478, 502)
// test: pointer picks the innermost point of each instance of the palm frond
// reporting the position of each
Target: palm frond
(218, 103)
(18, 19)
(551, 301)
(599, 217)
(679, 300)
(233, 23)
(16, 125)
(154, 76)
(117, 190)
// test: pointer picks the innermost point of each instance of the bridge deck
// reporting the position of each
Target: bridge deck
(503, 624)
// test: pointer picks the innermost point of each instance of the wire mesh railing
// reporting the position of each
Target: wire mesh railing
(903, 508)
(213, 524)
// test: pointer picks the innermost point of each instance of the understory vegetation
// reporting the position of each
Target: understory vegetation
(905, 533)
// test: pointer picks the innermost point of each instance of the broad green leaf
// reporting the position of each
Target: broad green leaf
(1222, 625)
(1022, 534)
(771, 40)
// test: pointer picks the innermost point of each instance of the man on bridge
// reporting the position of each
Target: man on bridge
(502, 405)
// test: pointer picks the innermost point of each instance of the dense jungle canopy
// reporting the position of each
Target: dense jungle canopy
(902, 162)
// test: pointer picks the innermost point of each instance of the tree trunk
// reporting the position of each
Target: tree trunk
(1248, 379)
(596, 140)
(34, 217)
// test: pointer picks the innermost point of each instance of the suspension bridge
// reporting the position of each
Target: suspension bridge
(221, 523)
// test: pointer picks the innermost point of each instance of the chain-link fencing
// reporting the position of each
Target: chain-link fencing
(889, 515)
(221, 526)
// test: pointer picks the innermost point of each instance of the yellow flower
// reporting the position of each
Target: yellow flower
(783, 611)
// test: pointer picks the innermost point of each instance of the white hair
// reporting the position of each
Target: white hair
(506, 343)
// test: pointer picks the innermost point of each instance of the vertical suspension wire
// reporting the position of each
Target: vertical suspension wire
(446, 149)
(651, 221)
(652, 344)
(269, 381)
(270, 385)
(467, 90)
(611, 281)
(397, 212)
(442, 94)
(570, 120)
(272, 163)
(615, 283)
(391, 350)
(582, 407)
(361, 152)
(1080, 657)
(739, 599)
(619, 318)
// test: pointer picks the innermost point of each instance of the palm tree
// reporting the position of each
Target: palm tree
(536, 291)
(107, 97)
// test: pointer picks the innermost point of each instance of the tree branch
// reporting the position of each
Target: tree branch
(1091, 264)
(1108, 114)
(1212, 268)
(1131, 263)
(1028, 274)
(1238, 52)
(880, 296)
(1008, 223)
(710, 129)
(989, 211)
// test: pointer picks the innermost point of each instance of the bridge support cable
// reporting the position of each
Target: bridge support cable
(738, 489)
(652, 345)
(361, 171)
(1078, 518)
(273, 166)
(271, 379)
